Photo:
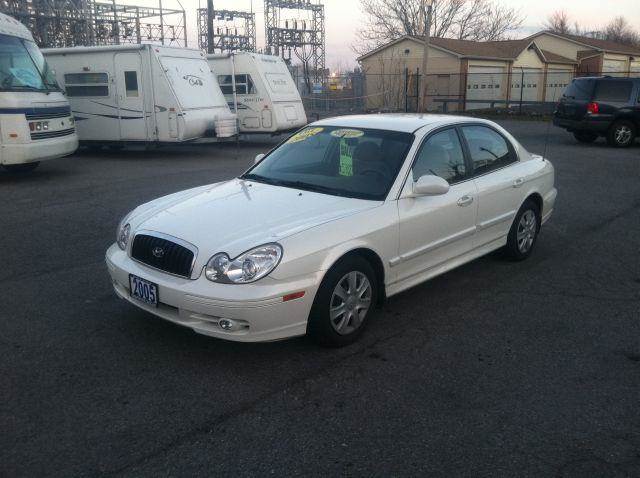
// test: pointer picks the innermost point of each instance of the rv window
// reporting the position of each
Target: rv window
(244, 85)
(87, 84)
(131, 83)
(85, 78)
(87, 90)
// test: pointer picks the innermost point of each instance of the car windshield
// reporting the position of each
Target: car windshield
(22, 66)
(353, 162)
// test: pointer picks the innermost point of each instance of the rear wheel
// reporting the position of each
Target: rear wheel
(21, 168)
(343, 303)
(524, 232)
(621, 134)
(585, 136)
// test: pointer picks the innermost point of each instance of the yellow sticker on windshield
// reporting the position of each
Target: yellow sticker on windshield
(346, 158)
(304, 134)
(347, 133)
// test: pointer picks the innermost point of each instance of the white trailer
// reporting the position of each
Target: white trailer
(141, 94)
(260, 90)
(35, 119)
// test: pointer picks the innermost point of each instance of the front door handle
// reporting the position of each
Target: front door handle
(518, 182)
(465, 201)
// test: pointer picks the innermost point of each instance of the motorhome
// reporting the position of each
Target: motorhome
(260, 90)
(141, 94)
(35, 119)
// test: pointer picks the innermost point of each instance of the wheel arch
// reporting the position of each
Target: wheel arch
(536, 197)
(371, 256)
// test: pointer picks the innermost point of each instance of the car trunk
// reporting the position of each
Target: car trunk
(575, 99)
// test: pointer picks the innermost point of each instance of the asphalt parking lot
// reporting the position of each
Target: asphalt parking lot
(494, 369)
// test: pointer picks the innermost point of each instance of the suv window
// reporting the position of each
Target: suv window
(579, 90)
(488, 149)
(613, 90)
(441, 155)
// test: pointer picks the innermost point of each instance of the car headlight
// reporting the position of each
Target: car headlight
(248, 267)
(122, 236)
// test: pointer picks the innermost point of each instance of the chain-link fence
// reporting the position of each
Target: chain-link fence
(519, 91)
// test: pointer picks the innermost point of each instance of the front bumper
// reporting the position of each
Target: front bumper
(38, 150)
(258, 309)
(594, 125)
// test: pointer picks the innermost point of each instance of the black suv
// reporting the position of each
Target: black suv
(603, 106)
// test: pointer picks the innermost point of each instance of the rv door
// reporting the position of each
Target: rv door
(128, 72)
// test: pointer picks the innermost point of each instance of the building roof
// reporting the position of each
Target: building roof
(595, 43)
(505, 49)
(494, 50)
(554, 58)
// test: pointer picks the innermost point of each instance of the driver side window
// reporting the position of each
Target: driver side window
(441, 155)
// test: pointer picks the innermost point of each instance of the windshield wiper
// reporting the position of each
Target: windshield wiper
(297, 185)
(23, 87)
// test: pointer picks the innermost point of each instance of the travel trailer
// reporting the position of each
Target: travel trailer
(141, 94)
(260, 90)
(35, 119)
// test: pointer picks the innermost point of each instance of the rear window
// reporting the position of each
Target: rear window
(613, 90)
(579, 90)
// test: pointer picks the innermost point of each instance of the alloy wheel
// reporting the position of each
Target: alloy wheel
(526, 233)
(623, 134)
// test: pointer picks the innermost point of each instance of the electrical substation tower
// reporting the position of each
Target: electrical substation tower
(297, 26)
(61, 23)
(225, 31)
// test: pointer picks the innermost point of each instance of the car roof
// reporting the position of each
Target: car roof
(402, 122)
(606, 77)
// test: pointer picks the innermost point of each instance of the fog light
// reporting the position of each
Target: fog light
(226, 324)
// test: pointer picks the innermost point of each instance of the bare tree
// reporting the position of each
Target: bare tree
(619, 30)
(559, 22)
(482, 20)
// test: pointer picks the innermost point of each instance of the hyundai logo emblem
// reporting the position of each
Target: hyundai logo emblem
(157, 252)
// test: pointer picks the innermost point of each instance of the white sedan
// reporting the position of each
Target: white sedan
(346, 212)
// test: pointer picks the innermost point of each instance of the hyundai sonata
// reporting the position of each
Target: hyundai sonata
(341, 215)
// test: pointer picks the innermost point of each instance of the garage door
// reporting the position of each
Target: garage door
(526, 83)
(614, 67)
(557, 81)
(635, 69)
(485, 83)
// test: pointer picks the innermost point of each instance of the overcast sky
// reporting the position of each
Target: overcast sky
(344, 16)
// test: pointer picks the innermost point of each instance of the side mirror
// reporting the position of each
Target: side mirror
(258, 158)
(429, 185)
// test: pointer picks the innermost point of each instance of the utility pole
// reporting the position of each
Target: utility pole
(210, 45)
(426, 9)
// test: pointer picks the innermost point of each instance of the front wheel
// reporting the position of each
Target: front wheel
(524, 232)
(585, 136)
(621, 134)
(343, 303)
(21, 168)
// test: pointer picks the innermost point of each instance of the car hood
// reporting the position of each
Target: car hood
(237, 215)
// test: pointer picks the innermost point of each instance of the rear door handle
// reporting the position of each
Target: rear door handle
(465, 201)
(518, 182)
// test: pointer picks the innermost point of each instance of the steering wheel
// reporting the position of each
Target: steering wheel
(382, 176)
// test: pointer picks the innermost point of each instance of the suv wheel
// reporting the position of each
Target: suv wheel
(585, 136)
(621, 134)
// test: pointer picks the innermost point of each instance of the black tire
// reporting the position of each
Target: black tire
(514, 249)
(621, 134)
(21, 168)
(585, 136)
(320, 326)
